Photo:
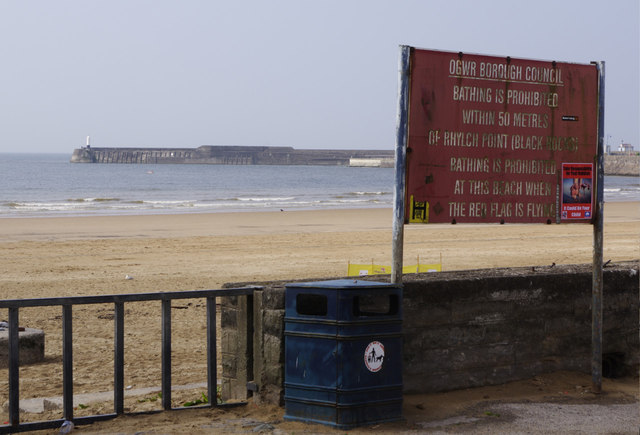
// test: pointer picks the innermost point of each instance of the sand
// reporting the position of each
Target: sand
(92, 255)
(47, 257)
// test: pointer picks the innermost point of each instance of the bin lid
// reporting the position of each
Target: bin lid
(343, 283)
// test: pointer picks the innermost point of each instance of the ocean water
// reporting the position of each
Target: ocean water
(39, 185)
(48, 185)
(621, 188)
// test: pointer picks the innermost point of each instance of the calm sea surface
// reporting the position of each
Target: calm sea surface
(48, 185)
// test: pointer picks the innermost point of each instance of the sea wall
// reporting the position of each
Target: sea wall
(614, 164)
(231, 155)
(462, 329)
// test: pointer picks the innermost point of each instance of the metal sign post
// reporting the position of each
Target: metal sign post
(402, 130)
(597, 285)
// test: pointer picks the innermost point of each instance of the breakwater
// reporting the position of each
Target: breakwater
(234, 155)
(614, 164)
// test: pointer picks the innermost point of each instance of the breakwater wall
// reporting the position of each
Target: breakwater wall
(234, 155)
(462, 329)
(614, 164)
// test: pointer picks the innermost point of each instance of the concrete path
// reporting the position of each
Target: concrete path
(42, 404)
(548, 418)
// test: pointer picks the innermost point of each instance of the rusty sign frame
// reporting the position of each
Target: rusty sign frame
(536, 118)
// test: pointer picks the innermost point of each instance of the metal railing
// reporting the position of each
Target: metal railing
(67, 304)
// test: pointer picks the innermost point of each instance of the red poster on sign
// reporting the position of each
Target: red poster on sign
(577, 191)
(488, 137)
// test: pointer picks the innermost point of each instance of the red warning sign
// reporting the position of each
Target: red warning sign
(489, 138)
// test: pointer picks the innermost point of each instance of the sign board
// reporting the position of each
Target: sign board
(499, 139)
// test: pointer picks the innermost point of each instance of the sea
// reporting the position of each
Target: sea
(46, 185)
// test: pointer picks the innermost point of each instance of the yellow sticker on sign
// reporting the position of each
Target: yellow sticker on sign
(418, 211)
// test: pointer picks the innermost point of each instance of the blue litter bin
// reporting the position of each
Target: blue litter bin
(343, 352)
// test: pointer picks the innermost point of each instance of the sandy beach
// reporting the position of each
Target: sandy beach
(46, 257)
(91, 255)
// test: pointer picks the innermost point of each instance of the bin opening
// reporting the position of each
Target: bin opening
(309, 304)
(375, 305)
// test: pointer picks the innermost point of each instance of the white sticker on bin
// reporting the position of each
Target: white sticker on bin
(374, 356)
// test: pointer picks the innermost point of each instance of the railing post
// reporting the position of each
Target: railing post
(118, 359)
(14, 367)
(166, 354)
(212, 358)
(67, 361)
(250, 330)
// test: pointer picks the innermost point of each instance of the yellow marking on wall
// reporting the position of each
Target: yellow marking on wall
(377, 269)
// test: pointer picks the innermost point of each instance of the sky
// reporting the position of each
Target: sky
(306, 74)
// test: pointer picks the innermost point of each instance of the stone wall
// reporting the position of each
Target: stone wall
(470, 328)
(30, 346)
(489, 327)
